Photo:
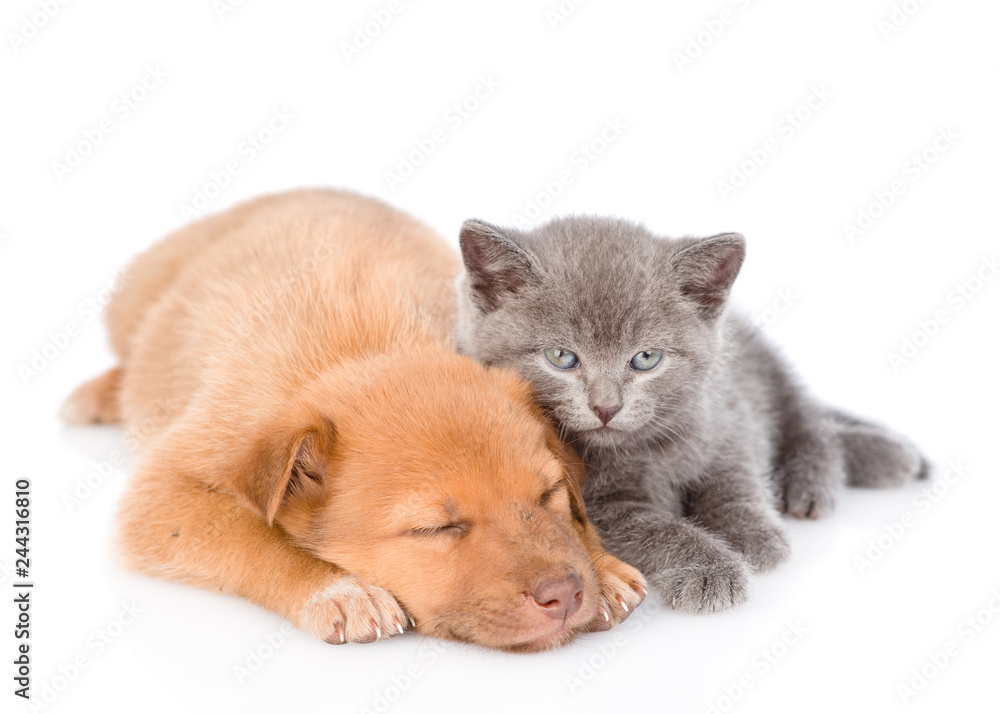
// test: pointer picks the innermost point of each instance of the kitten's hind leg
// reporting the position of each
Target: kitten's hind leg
(876, 457)
(809, 472)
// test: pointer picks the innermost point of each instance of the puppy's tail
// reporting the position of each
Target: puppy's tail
(95, 402)
(874, 456)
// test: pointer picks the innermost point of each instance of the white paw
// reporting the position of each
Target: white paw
(705, 587)
(351, 610)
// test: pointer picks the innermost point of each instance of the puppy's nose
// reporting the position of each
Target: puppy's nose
(560, 598)
(606, 414)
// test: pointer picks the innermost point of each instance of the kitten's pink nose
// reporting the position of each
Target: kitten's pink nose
(606, 414)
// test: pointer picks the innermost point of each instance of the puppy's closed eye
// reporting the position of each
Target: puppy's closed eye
(450, 529)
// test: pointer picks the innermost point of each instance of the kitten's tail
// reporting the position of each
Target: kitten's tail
(874, 456)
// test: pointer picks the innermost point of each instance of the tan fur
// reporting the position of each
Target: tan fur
(95, 402)
(305, 420)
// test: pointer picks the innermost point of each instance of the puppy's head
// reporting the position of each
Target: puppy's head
(439, 480)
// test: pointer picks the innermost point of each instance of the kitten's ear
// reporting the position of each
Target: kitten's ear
(707, 269)
(285, 462)
(497, 266)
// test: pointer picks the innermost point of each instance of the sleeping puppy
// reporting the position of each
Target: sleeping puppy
(312, 442)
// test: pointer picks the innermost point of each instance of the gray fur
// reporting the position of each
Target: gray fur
(708, 445)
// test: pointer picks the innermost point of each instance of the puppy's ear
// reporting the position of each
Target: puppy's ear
(575, 471)
(285, 461)
(497, 266)
(707, 269)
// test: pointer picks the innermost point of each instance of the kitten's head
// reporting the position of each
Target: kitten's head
(615, 327)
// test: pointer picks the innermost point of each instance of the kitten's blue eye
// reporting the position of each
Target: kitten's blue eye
(646, 360)
(563, 359)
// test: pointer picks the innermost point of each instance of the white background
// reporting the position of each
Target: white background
(844, 306)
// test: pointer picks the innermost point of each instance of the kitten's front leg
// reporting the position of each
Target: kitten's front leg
(691, 569)
(735, 504)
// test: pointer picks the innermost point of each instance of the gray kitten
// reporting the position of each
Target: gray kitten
(694, 432)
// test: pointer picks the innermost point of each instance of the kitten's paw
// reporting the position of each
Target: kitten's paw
(351, 610)
(699, 588)
(764, 546)
(808, 499)
(622, 590)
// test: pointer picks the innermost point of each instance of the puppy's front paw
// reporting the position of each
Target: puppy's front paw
(710, 585)
(622, 590)
(351, 610)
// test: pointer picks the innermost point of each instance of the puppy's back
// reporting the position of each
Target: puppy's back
(253, 302)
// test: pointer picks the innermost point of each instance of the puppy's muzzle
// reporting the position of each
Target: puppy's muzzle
(559, 598)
